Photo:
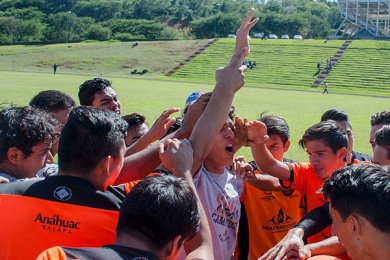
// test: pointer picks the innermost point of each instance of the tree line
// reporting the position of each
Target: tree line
(55, 21)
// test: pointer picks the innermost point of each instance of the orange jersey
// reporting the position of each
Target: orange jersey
(307, 183)
(56, 211)
(270, 215)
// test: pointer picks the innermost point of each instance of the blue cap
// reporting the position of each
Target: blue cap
(194, 96)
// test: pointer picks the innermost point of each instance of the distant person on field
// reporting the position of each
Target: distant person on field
(325, 88)
(55, 68)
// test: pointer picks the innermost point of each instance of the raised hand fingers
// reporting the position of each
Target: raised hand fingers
(169, 111)
(238, 58)
(247, 24)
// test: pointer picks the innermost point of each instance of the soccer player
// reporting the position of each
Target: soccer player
(382, 146)
(26, 137)
(342, 118)
(159, 215)
(326, 145)
(267, 215)
(359, 205)
(377, 121)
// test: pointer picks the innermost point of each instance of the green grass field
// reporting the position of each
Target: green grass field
(150, 97)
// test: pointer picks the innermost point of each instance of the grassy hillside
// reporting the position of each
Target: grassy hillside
(151, 97)
(288, 64)
(292, 63)
(98, 58)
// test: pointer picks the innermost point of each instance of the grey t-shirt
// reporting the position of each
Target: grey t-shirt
(220, 197)
(8, 177)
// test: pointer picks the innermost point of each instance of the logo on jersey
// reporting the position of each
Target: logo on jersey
(281, 218)
(268, 196)
(57, 224)
(280, 222)
(62, 193)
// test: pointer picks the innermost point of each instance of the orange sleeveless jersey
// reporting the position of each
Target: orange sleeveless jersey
(31, 225)
(307, 183)
(270, 216)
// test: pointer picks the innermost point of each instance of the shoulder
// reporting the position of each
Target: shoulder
(300, 167)
(18, 187)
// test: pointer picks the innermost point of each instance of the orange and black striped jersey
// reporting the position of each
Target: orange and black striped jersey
(58, 210)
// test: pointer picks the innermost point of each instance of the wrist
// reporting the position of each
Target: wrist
(296, 232)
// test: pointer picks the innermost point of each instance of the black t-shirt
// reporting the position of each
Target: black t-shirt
(361, 157)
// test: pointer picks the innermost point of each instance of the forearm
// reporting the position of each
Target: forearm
(139, 145)
(137, 166)
(200, 246)
(212, 119)
(267, 163)
(265, 183)
(315, 221)
(330, 246)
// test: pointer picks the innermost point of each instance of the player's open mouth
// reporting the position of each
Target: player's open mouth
(229, 148)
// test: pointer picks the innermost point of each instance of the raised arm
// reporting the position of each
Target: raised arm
(229, 80)
(177, 157)
(257, 138)
(156, 132)
(137, 166)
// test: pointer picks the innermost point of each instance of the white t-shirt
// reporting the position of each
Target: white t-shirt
(220, 197)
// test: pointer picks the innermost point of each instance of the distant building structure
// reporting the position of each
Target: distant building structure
(364, 19)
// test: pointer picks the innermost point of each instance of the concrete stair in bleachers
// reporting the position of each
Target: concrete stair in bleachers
(332, 62)
(181, 64)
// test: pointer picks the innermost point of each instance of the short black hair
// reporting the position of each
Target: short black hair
(361, 189)
(89, 135)
(89, 88)
(335, 114)
(276, 126)
(25, 127)
(330, 132)
(134, 119)
(160, 207)
(381, 118)
(382, 138)
(52, 101)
